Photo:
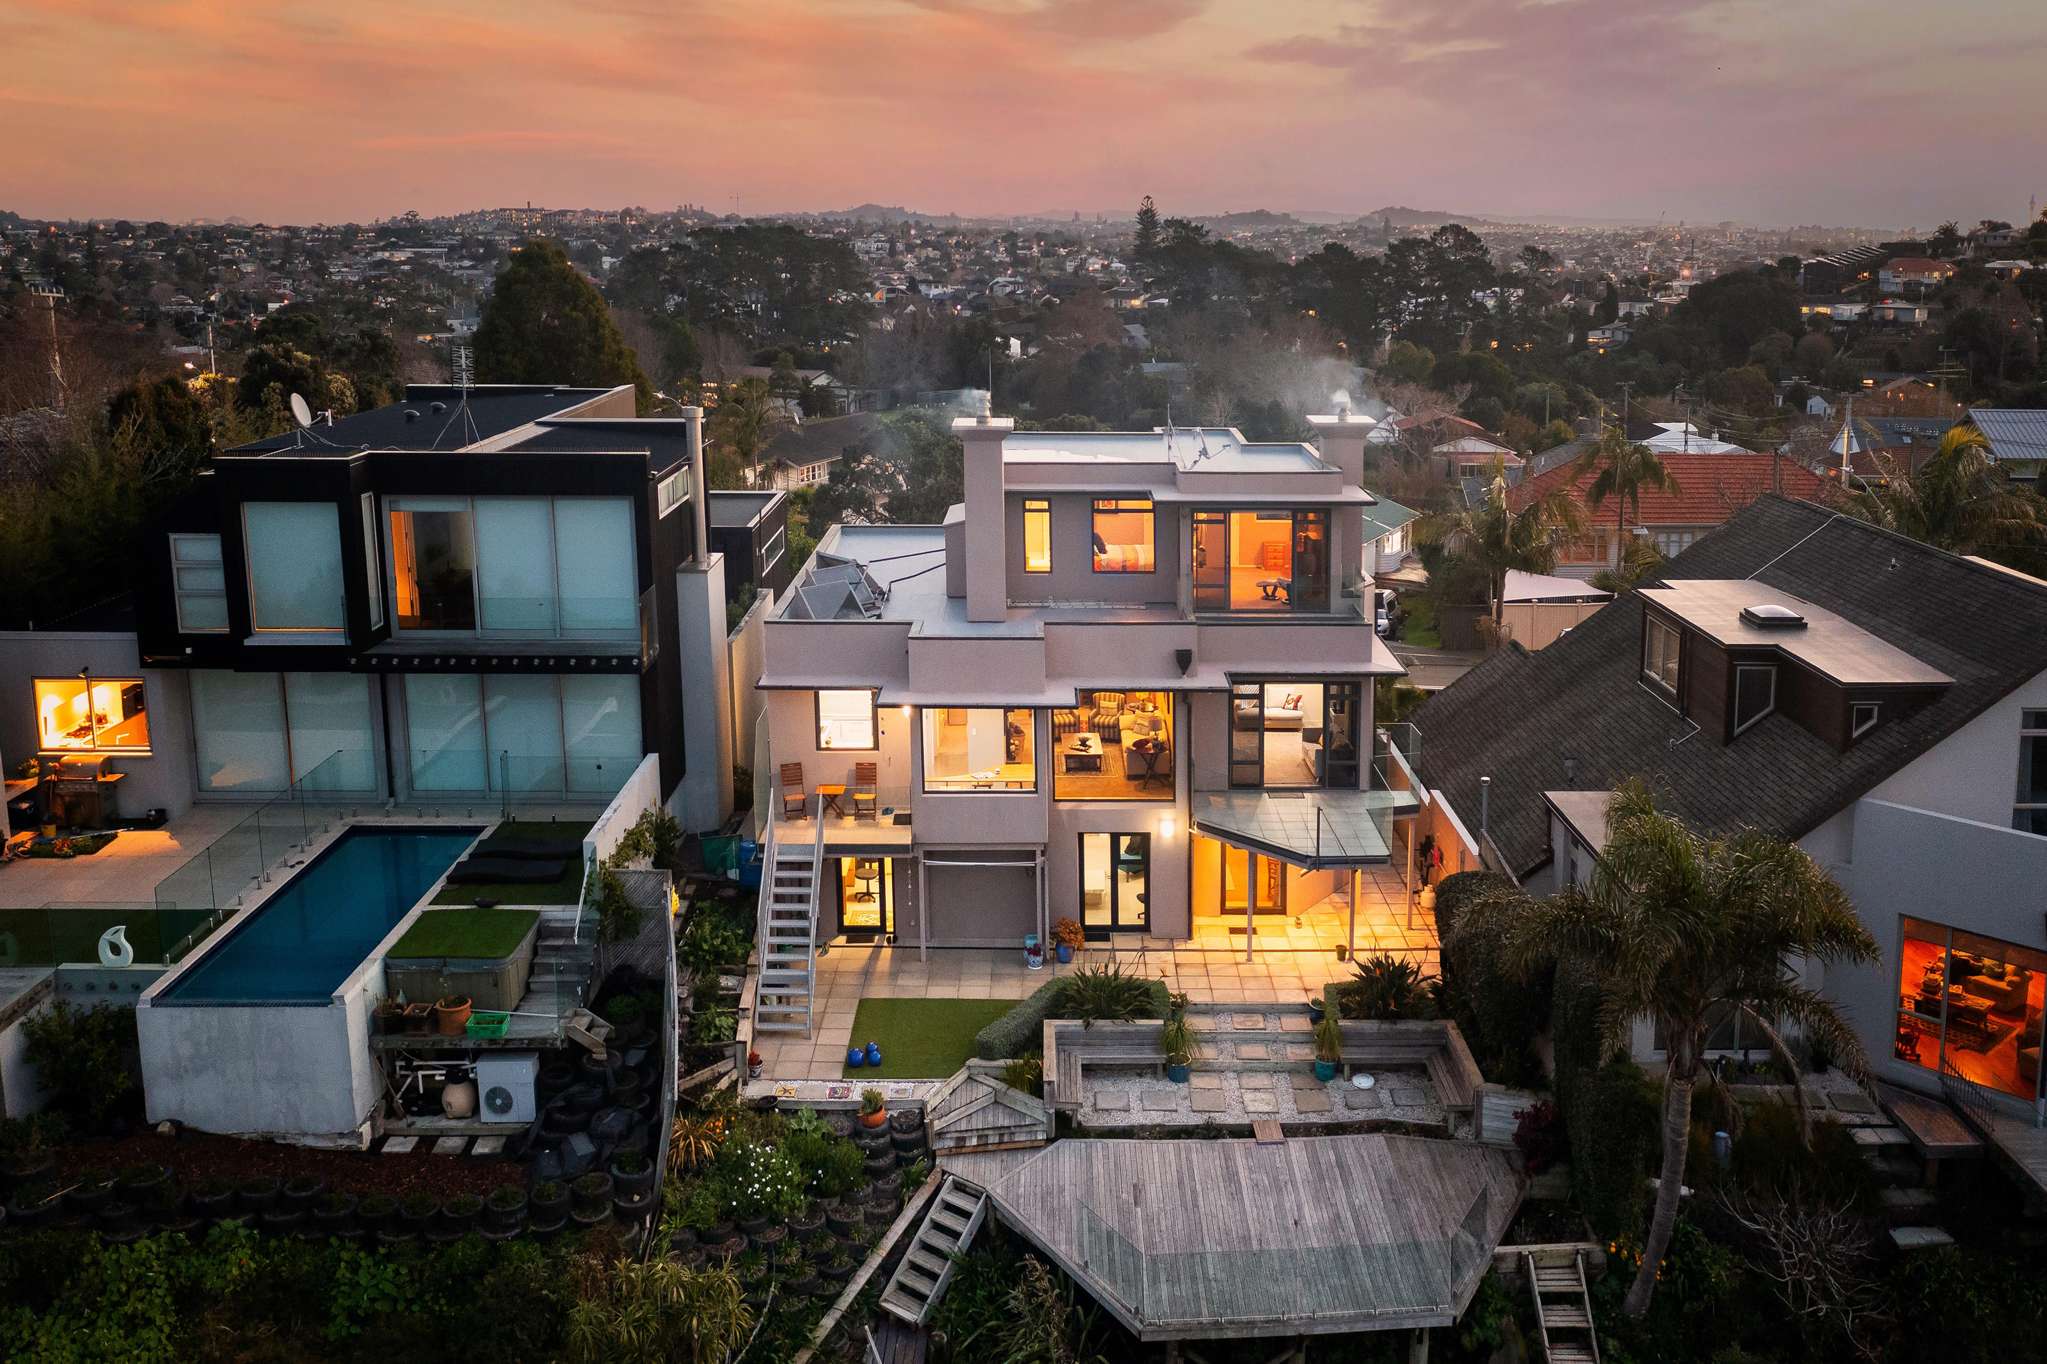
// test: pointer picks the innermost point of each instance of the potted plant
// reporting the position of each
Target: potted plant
(27, 1143)
(459, 1213)
(873, 1109)
(90, 1192)
(213, 1198)
(506, 1206)
(1328, 1049)
(389, 1016)
(1315, 1007)
(300, 1190)
(451, 1015)
(753, 1065)
(1067, 937)
(415, 1212)
(333, 1213)
(841, 1265)
(1176, 1041)
(548, 1204)
(142, 1184)
(376, 1212)
(590, 1199)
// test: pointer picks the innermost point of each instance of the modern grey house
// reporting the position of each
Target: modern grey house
(1881, 702)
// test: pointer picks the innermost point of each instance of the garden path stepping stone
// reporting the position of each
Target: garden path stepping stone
(488, 1146)
(450, 1146)
(1209, 1101)
(1848, 1101)
(1206, 1080)
(400, 1146)
(1112, 1100)
(1253, 1051)
(1206, 1051)
(1257, 1101)
(1304, 1083)
(1363, 1100)
(1295, 1023)
(1162, 1103)
(1407, 1098)
(1312, 1101)
(1300, 1051)
(1248, 1022)
(1201, 1023)
(1256, 1079)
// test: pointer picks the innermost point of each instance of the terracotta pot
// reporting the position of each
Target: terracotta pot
(875, 1119)
(451, 1015)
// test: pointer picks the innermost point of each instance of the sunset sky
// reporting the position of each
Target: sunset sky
(1868, 112)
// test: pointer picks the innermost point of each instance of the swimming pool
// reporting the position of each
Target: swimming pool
(304, 941)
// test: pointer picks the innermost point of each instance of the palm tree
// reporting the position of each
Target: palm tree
(1496, 537)
(1639, 559)
(1621, 468)
(745, 423)
(1682, 928)
(1957, 501)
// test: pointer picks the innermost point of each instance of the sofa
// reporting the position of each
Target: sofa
(2005, 993)
(1246, 715)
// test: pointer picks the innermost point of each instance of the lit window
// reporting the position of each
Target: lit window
(200, 590)
(91, 714)
(1755, 693)
(1660, 653)
(1123, 534)
(979, 749)
(1037, 529)
(845, 719)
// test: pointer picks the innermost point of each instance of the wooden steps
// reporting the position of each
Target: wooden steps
(926, 1267)
(1563, 1307)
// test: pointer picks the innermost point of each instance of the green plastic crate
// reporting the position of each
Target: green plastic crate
(489, 1024)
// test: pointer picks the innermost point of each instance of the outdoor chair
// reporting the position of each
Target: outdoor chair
(794, 796)
(866, 790)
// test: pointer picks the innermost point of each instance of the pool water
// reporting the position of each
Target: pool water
(302, 943)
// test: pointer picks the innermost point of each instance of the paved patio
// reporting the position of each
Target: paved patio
(1209, 968)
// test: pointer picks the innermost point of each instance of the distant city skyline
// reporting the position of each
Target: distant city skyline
(1841, 113)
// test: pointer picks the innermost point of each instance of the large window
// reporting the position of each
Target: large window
(1755, 693)
(1037, 535)
(1113, 745)
(1124, 535)
(198, 585)
(1298, 733)
(1594, 547)
(1971, 1004)
(267, 731)
(91, 714)
(372, 563)
(526, 735)
(294, 566)
(845, 719)
(532, 566)
(1261, 561)
(2029, 812)
(972, 749)
(1659, 653)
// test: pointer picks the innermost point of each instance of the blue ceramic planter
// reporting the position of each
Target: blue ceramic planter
(873, 1053)
(1325, 1071)
(855, 1058)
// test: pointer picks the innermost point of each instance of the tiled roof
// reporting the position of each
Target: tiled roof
(1711, 488)
(1520, 717)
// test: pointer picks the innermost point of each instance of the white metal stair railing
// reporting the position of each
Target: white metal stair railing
(926, 1267)
(1563, 1306)
(790, 876)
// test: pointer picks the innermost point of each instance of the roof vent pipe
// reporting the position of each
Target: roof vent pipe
(1485, 805)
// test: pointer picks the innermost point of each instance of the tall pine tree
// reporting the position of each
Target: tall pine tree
(546, 324)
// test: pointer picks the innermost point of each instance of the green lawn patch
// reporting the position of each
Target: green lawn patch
(563, 890)
(1419, 628)
(485, 934)
(921, 1039)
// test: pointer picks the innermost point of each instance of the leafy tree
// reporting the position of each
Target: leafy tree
(910, 473)
(546, 324)
(1407, 363)
(1734, 311)
(1745, 389)
(1620, 469)
(1495, 537)
(1681, 929)
(1946, 241)
(1959, 501)
(1812, 354)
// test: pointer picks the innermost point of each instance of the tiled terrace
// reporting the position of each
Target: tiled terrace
(1210, 968)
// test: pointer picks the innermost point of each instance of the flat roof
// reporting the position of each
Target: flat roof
(735, 510)
(1184, 1240)
(1585, 812)
(1198, 449)
(1829, 644)
(439, 419)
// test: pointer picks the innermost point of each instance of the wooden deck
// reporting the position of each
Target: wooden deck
(1936, 1131)
(1184, 1240)
(2021, 1144)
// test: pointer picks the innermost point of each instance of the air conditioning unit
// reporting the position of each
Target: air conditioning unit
(505, 1087)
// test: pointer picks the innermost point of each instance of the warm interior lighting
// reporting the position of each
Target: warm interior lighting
(1165, 826)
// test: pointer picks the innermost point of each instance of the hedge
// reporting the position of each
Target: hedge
(1612, 1113)
(1022, 1028)
(1497, 1012)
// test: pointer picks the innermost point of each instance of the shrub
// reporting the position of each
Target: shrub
(1026, 1073)
(1105, 994)
(1022, 1028)
(1612, 1121)
(1539, 1136)
(1384, 989)
(1497, 1011)
(1328, 1040)
(84, 1060)
(1771, 1160)
(756, 1179)
(1176, 1040)
(618, 918)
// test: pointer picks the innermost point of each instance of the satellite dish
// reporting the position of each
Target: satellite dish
(301, 412)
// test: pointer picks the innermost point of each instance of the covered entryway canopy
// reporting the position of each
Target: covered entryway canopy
(1314, 830)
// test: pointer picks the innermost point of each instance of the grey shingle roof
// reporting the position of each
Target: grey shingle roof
(1518, 717)
(2013, 432)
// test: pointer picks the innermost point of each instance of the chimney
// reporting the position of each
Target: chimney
(699, 490)
(987, 519)
(1342, 439)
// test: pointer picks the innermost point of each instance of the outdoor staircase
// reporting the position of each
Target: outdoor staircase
(926, 1267)
(559, 981)
(1563, 1308)
(790, 878)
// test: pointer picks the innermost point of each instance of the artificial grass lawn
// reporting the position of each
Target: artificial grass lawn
(1419, 628)
(563, 890)
(487, 934)
(921, 1039)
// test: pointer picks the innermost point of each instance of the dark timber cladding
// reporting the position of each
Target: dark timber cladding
(1188, 1240)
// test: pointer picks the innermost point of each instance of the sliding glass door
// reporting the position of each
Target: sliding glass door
(1115, 883)
(1294, 734)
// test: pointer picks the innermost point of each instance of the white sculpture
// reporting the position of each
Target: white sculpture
(114, 948)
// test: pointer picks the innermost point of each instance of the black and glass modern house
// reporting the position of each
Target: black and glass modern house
(469, 593)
